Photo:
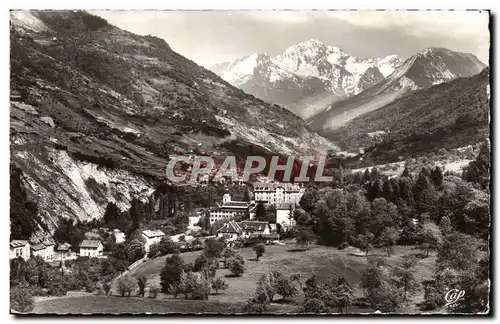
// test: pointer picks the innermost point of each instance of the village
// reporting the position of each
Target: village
(237, 220)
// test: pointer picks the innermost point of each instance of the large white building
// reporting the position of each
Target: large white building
(20, 248)
(151, 237)
(229, 209)
(277, 193)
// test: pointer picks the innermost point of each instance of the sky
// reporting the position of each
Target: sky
(209, 37)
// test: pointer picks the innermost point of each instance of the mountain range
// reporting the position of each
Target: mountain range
(97, 111)
(306, 76)
(328, 87)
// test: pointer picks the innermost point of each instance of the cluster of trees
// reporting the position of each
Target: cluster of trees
(268, 286)
(372, 210)
(462, 264)
(196, 280)
(36, 277)
(127, 284)
(385, 287)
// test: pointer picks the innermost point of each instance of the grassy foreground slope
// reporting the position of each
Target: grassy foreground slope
(321, 261)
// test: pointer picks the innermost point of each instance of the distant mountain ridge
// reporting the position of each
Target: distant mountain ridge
(447, 115)
(306, 75)
(430, 67)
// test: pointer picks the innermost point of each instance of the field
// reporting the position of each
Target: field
(318, 260)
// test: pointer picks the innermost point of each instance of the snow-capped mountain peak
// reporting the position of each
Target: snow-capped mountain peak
(311, 64)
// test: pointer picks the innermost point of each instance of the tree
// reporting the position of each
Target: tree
(219, 284)
(304, 236)
(171, 273)
(322, 296)
(445, 225)
(200, 288)
(424, 193)
(210, 268)
(388, 298)
(21, 299)
(258, 303)
(246, 195)
(458, 251)
(142, 282)
(99, 287)
(199, 263)
(364, 242)
(388, 238)
(260, 211)
(227, 253)
(213, 248)
(236, 265)
(404, 277)
(479, 170)
(126, 284)
(430, 236)
(285, 288)
(437, 176)
(371, 279)
(167, 246)
(135, 250)
(153, 291)
(259, 250)
(107, 288)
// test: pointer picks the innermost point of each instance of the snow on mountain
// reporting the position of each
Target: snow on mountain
(309, 71)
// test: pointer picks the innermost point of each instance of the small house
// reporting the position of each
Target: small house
(151, 237)
(20, 248)
(229, 231)
(39, 249)
(64, 250)
(91, 248)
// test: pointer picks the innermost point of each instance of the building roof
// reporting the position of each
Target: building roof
(93, 244)
(64, 247)
(284, 206)
(253, 225)
(153, 233)
(38, 247)
(230, 228)
(263, 186)
(46, 242)
(235, 205)
(18, 243)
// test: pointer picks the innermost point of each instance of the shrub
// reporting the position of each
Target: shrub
(126, 285)
(107, 288)
(153, 291)
(21, 300)
(141, 282)
(199, 263)
(236, 265)
(219, 284)
(343, 245)
(99, 287)
(259, 250)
